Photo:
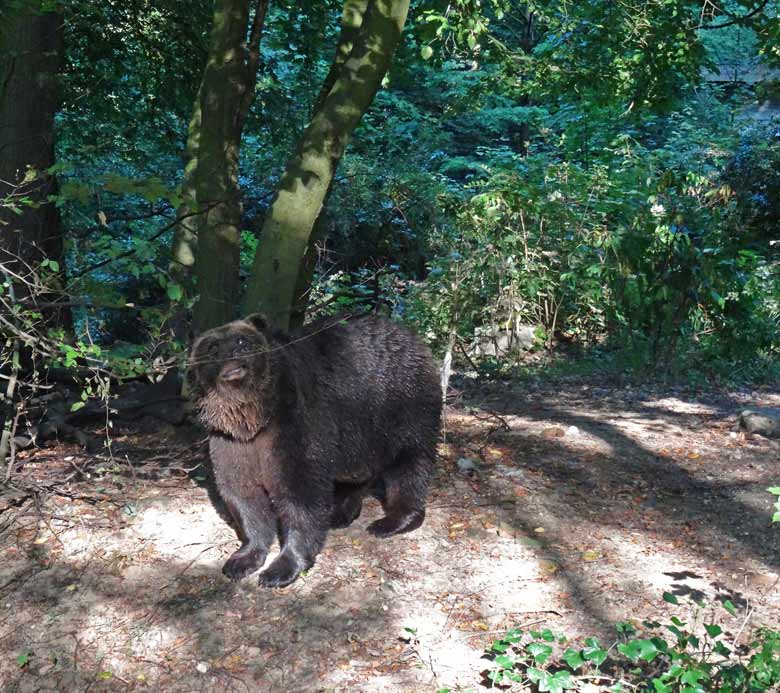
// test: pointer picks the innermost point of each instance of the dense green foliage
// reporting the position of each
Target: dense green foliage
(584, 169)
(695, 655)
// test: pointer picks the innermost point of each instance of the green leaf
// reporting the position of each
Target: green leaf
(174, 291)
(661, 644)
(713, 630)
(573, 658)
(23, 659)
(639, 649)
(499, 646)
(728, 605)
(77, 405)
(539, 651)
(593, 652)
(718, 298)
(426, 52)
(564, 679)
(54, 266)
(692, 676)
(545, 634)
(721, 649)
(671, 598)
(505, 661)
(513, 636)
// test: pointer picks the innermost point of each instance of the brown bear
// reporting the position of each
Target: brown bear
(302, 426)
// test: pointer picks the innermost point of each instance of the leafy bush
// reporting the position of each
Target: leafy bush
(644, 247)
(754, 175)
(674, 657)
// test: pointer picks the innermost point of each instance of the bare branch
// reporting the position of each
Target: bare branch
(132, 251)
(253, 59)
(736, 19)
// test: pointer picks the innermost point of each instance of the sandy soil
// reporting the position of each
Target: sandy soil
(569, 506)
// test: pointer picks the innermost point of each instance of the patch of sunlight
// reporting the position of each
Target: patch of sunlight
(654, 564)
(679, 406)
(180, 532)
(154, 640)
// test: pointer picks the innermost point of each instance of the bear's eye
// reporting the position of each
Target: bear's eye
(241, 342)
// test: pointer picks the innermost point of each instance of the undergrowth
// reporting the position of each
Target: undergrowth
(696, 655)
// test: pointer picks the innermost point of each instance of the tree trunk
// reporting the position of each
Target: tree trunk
(209, 241)
(373, 29)
(30, 58)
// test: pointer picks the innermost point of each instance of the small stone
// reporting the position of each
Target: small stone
(202, 667)
(466, 465)
(572, 431)
(765, 422)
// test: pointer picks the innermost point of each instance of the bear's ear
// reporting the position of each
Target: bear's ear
(258, 321)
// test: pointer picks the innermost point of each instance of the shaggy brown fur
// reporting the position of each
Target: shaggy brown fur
(304, 426)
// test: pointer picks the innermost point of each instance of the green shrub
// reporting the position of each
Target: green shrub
(673, 657)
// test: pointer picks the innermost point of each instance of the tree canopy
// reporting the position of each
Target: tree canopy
(601, 173)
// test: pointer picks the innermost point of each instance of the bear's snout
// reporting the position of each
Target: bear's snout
(232, 371)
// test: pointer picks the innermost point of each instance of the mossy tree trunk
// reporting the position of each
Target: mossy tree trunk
(206, 245)
(30, 58)
(371, 31)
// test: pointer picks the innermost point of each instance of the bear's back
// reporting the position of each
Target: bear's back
(366, 386)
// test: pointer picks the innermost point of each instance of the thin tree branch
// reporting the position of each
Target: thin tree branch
(736, 19)
(253, 60)
(132, 251)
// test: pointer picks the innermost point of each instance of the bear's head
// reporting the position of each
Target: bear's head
(229, 377)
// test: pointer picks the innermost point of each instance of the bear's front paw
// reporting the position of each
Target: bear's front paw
(282, 572)
(242, 563)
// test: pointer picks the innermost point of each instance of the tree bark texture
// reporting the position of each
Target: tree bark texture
(209, 241)
(30, 58)
(371, 31)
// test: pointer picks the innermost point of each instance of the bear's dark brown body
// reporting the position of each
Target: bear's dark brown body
(304, 426)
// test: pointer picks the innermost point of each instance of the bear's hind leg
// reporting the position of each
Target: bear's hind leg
(347, 504)
(402, 494)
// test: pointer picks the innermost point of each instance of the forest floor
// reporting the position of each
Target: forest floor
(570, 506)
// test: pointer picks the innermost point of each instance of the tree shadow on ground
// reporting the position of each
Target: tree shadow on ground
(662, 477)
(632, 480)
(169, 618)
(162, 615)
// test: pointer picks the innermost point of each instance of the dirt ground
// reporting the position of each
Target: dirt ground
(568, 506)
